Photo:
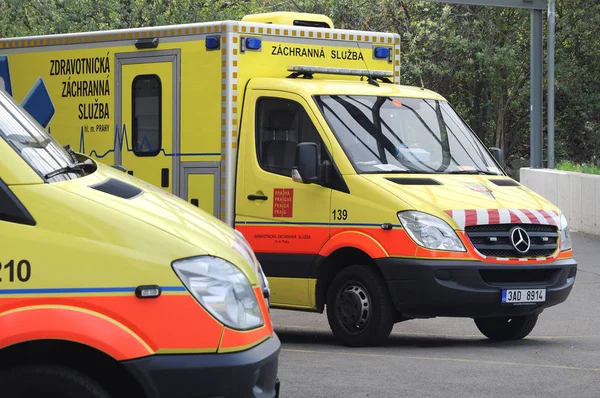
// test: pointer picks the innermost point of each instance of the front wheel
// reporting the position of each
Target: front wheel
(359, 309)
(48, 381)
(507, 328)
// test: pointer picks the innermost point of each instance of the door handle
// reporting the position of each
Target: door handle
(257, 197)
(164, 178)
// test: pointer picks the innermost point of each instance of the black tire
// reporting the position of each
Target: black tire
(48, 381)
(507, 328)
(357, 287)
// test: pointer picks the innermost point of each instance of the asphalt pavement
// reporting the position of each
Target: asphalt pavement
(448, 357)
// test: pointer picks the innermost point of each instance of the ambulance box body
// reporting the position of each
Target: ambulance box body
(361, 196)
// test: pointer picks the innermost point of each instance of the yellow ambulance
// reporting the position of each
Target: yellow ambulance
(364, 198)
(112, 288)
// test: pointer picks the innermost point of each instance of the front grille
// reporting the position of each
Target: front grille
(494, 240)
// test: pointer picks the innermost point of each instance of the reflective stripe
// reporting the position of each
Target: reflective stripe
(469, 217)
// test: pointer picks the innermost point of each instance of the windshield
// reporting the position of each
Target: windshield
(34, 145)
(404, 135)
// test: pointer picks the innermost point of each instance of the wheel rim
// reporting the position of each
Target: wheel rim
(353, 307)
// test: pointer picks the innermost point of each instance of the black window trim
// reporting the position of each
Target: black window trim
(337, 181)
(257, 142)
(11, 209)
(134, 132)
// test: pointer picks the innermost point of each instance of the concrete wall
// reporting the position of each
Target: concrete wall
(576, 194)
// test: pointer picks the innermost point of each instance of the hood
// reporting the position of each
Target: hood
(136, 198)
(444, 194)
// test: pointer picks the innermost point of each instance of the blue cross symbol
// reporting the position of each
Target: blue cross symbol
(37, 102)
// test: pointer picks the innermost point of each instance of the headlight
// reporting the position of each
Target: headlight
(222, 289)
(242, 246)
(430, 232)
(565, 236)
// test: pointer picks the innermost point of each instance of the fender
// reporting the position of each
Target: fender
(56, 322)
(235, 340)
(358, 240)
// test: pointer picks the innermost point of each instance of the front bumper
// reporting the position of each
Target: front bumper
(250, 373)
(459, 288)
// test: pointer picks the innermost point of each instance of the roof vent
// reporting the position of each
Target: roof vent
(414, 181)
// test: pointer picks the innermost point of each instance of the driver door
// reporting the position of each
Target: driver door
(285, 222)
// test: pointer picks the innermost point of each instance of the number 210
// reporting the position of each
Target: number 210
(23, 270)
(339, 214)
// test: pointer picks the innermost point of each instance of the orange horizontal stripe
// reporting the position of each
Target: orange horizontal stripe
(299, 239)
(72, 324)
(167, 322)
(375, 241)
(309, 239)
(395, 241)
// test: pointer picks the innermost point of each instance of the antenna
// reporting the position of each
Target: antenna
(370, 80)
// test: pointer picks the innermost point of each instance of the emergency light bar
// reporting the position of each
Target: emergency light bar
(309, 70)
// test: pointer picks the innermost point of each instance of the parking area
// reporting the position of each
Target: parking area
(447, 357)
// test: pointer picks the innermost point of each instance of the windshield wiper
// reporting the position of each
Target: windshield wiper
(477, 171)
(70, 168)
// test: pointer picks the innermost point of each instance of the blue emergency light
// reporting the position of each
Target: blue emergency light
(212, 43)
(253, 43)
(382, 52)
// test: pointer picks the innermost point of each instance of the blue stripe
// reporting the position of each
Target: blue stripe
(85, 290)
(173, 289)
(118, 143)
(311, 223)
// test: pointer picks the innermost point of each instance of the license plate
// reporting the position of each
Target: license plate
(524, 296)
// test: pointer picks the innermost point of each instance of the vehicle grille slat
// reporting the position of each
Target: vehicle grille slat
(494, 240)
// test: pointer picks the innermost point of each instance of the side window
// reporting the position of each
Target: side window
(147, 115)
(281, 125)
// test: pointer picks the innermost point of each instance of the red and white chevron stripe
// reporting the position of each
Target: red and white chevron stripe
(465, 218)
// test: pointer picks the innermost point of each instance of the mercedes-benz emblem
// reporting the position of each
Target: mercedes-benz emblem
(520, 239)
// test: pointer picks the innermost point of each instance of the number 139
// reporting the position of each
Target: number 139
(340, 214)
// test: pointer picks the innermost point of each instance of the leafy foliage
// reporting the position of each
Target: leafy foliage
(579, 168)
(477, 57)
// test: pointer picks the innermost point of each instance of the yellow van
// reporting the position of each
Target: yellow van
(110, 287)
(361, 197)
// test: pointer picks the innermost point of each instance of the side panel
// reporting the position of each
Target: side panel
(77, 85)
(73, 88)
(89, 259)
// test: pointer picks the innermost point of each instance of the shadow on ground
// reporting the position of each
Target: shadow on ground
(325, 338)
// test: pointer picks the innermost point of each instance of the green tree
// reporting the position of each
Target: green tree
(477, 57)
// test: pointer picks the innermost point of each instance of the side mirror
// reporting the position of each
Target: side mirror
(306, 164)
(497, 154)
